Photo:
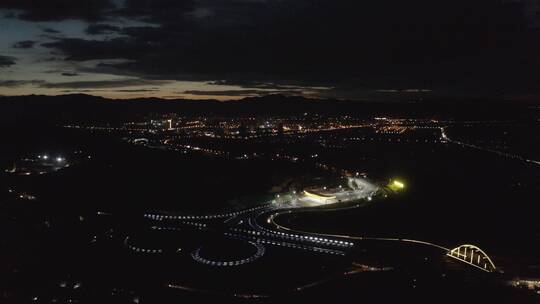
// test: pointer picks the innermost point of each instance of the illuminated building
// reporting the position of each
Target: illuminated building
(318, 197)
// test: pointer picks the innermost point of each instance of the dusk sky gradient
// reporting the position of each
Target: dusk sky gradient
(229, 49)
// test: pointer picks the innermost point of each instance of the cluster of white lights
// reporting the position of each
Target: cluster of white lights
(260, 252)
(59, 159)
(289, 245)
(297, 237)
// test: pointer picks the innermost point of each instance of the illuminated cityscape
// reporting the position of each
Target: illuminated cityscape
(218, 205)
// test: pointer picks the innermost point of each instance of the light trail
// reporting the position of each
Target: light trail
(445, 138)
(272, 217)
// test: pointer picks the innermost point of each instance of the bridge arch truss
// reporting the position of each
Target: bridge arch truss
(473, 256)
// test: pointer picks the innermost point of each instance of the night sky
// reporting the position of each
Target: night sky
(229, 49)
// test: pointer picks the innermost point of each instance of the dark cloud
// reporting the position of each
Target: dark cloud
(19, 83)
(137, 90)
(160, 11)
(344, 44)
(6, 61)
(51, 31)
(79, 91)
(282, 85)
(10, 15)
(46, 10)
(246, 92)
(26, 44)
(81, 49)
(99, 29)
(100, 84)
(70, 74)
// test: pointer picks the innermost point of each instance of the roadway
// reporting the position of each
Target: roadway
(259, 227)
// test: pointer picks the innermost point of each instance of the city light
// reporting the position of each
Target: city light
(396, 185)
(399, 184)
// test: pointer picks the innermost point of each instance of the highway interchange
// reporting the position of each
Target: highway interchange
(259, 227)
(256, 225)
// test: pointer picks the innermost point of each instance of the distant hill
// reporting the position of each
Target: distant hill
(80, 107)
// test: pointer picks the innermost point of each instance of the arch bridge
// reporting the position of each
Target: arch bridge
(473, 256)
